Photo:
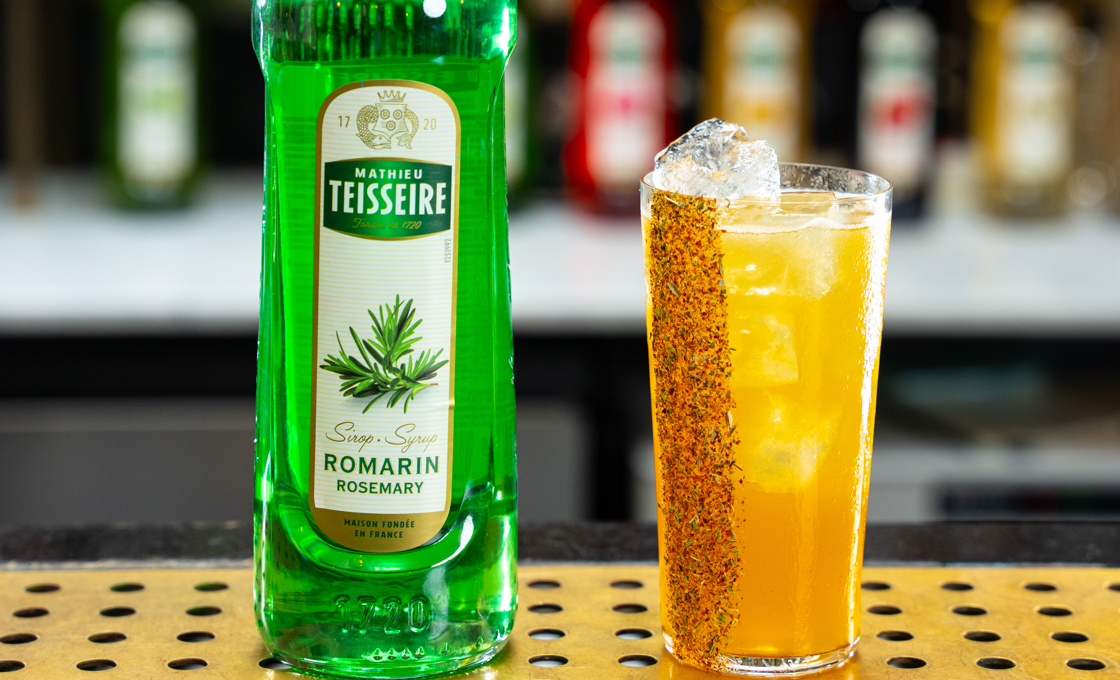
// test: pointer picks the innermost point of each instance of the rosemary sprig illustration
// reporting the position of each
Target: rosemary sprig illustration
(381, 370)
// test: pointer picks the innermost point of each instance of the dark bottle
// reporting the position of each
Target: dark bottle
(898, 101)
(835, 78)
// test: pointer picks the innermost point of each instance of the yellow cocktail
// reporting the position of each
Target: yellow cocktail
(764, 328)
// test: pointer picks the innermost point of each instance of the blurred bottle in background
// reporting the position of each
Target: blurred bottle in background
(756, 69)
(1089, 183)
(151, 133)
(897, 101)
(517, 108)
(1110, 31)
(1024, 100)
(551, 90)
(621, 57)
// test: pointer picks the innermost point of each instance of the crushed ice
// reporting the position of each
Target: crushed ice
(717, 159)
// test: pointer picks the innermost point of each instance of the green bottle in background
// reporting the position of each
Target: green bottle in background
(517, 111)
(386, 481)
(151, 140)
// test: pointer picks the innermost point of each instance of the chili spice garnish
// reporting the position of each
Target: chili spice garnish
(690, 360)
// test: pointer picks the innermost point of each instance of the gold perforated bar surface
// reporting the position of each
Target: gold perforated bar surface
(576, 621)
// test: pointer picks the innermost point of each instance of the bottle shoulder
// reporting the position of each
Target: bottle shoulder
(328, 31)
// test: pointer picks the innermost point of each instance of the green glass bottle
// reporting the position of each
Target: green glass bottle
(386, 473)
(151, 141)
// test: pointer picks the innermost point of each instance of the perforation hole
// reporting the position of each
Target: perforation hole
(633, 633)
(273, 664)
(996, 663)
(117, 612)
(906, 662)
(19, 638)
(126, 587)
(211, 586)
(96, 665)
(1039, 587)
(627, 585)
(107, 638)
(9, 665)
(544, 584)
(191, 664)
(43, 588)
(1071, 637)
(630, 608)
(1085, 664)
(30, 612)
(884, 610)
(894, 635)
(968, 610)
(875, 585)
(548, 660)
(958, 586)
(982, 636)
(195, 636)
(204, 611)
(637, 660)
(1054, 611)
(546, 634)
(546, 608)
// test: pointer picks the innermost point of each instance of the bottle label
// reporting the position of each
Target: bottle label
(1035, 118)
(762, 77)
(625, 105)
(157, 148)
(897, 95)
(384, 314)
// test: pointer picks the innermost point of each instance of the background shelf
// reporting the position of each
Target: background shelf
(77, 266)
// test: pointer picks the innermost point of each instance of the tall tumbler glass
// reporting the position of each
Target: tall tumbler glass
(764, 322)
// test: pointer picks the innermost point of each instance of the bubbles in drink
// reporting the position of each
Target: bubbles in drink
(802, 202)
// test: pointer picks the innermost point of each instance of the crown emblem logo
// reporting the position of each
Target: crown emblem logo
(379, 125)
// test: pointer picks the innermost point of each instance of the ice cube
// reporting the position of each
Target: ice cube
(801, 263)
(812, 260)
(763, 353)
(717, 159)
(788, 455)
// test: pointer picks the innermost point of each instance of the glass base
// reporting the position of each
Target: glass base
(776, 666)
(338, 668)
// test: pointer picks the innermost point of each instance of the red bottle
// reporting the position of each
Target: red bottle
(622, 55)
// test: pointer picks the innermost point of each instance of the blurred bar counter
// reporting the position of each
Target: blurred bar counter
(77, 266)
(931, 544)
